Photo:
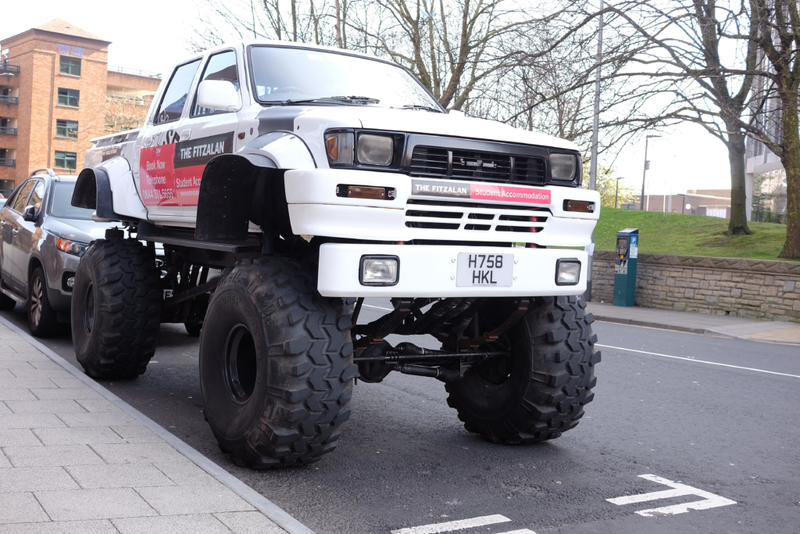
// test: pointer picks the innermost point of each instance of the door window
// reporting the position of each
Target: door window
(36, 197)
(220, 66)
(22, 196)
(176, 93)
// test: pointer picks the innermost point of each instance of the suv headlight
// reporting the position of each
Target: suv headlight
(70, 247)
(562, 167)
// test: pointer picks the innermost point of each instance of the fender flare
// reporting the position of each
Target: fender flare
(237, 189)
(93, 191)
(234, 191)
(95, 186)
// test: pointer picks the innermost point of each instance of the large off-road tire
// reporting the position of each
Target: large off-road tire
(116, 309)
(42, 318)
(276, 365)
(540, 391)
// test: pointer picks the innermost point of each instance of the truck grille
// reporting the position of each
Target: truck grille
(436, 162)
(470, 216)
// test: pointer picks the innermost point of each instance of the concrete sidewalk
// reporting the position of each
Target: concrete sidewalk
(699, 323)
(74, 458)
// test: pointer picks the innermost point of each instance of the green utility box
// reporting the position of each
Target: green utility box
(625, 259)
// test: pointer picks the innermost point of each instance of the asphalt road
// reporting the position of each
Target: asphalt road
(718, 416)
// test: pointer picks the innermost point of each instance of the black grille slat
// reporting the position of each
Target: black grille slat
(476, 165)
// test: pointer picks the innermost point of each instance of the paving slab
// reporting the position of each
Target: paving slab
(61, 527)
(187, 524)
(80, 504)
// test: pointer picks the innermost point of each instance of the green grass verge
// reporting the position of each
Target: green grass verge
(689, 235)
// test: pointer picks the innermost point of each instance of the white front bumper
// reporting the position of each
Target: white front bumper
(430, 271)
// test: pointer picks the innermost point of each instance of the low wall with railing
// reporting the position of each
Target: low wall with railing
(722, 286)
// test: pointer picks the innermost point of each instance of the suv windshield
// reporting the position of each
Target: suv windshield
(291, 75)
(62, 207)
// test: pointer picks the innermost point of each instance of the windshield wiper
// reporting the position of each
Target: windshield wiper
(424, 108)
(360, 100)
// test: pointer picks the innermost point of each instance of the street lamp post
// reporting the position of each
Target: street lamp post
(646, 166)
(616, 193)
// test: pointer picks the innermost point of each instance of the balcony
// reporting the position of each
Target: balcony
(9, 99)
(8, 131)
(6, 69)
(8, 162)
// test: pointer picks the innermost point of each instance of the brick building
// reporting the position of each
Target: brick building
(56, 93)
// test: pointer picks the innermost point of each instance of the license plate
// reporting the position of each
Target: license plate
(495, 270)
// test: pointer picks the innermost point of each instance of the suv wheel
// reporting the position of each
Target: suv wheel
(42, 318)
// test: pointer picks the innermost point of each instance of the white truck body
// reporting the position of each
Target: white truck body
(155, 175)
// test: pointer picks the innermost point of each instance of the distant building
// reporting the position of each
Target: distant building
(709, 202)
(56, 93)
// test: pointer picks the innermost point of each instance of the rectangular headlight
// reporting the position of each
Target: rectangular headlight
(562, 167)
(568, 272)
(379, 270)
(375, 150)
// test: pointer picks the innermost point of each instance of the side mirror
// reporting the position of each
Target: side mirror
(219, 95)
(30, 213)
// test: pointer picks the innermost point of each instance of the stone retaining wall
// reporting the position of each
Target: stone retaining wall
(722, 286)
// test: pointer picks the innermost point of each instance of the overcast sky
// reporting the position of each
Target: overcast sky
(150, 35)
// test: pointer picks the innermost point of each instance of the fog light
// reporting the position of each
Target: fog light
(71, 282)
(379, 270)
(568, 272)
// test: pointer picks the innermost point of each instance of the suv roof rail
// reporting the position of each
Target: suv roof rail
(48, 171)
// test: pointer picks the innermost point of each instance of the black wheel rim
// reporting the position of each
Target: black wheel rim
(241, 364)
(88, 314)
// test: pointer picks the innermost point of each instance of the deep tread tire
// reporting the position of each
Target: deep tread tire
(116, 309)
(42, 318)
(549, 382)
(284, 399)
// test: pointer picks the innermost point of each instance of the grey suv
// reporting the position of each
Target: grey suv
(42, 240)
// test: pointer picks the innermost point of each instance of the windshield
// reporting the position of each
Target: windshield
(286, 75)
(61, 206)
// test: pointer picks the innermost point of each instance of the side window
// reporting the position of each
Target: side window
(220, 66)
(36, 197)
(176, 94)
(22, 196)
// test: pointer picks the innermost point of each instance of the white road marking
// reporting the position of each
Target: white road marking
(454, 525)
(678, 490)
(699, 361)
(376, 307)
(522, 531)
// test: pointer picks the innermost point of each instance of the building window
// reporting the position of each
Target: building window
(67, 128)
(68, 97)
(70, 65)
(66, 160)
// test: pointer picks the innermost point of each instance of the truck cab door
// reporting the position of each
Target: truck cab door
(158, 142)
(204, 133)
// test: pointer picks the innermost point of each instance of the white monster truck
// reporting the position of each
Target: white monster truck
(315, 178)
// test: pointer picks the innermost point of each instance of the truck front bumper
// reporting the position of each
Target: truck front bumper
(432, 271)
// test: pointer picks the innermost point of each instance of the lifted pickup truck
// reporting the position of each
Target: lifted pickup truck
(315, 178)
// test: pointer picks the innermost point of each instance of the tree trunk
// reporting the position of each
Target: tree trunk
(736, 150)
(791, 164)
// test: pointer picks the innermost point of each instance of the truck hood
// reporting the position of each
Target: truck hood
(422, 122)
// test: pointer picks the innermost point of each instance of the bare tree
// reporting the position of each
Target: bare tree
(778, 39)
